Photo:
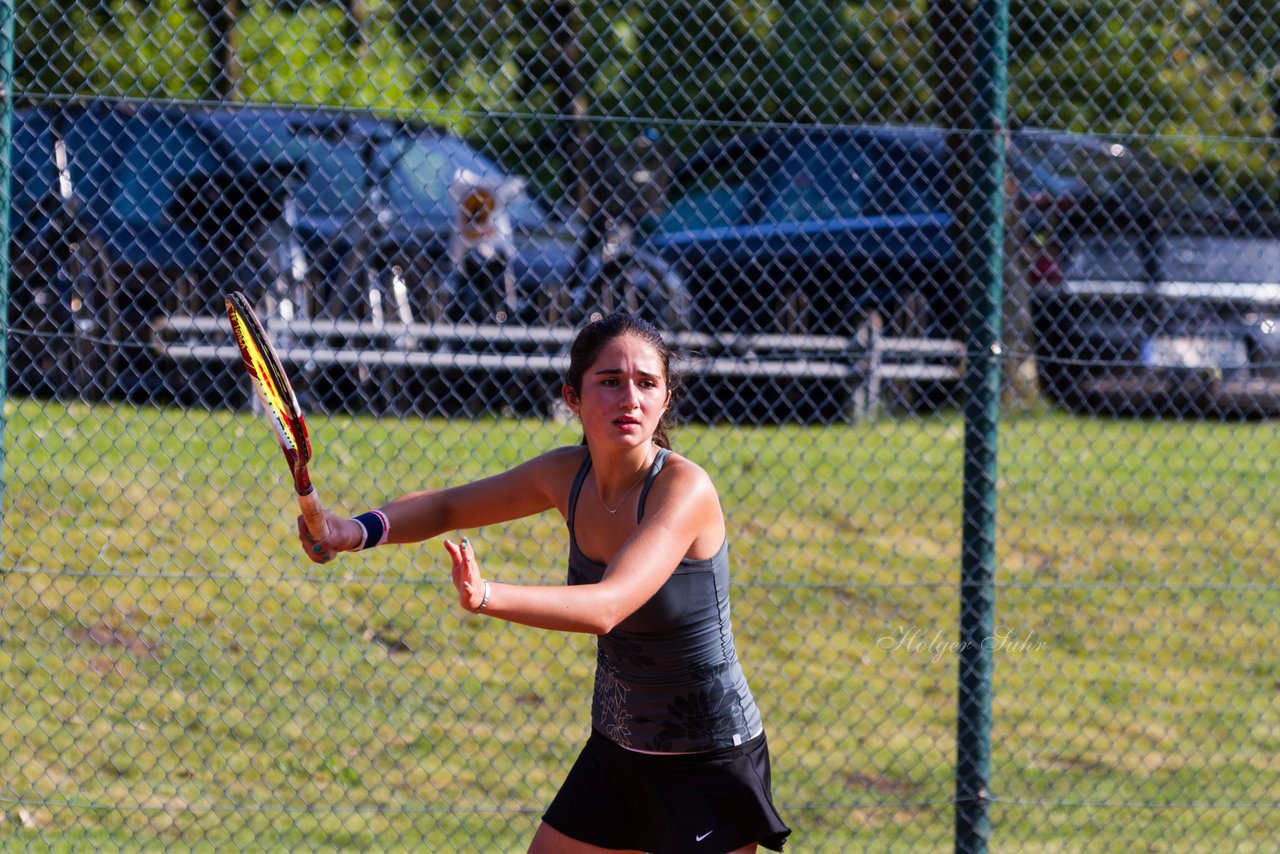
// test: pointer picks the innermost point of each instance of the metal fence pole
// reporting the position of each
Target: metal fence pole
(984, 225)
(7, 13)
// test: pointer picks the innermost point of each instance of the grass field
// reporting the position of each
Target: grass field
(174, 675)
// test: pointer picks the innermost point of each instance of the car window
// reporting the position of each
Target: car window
(333, 185)
(1108, 257)
(910, 179)
(424, 169)
(34, 169)
(714, 197)
(1234, 260)
(829, 180)
(156, 165)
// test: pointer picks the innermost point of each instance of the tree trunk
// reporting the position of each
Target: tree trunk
(951, 35)
(355, 17)
(220, 25)
(570, 101)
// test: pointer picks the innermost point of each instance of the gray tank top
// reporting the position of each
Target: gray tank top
(667, 677)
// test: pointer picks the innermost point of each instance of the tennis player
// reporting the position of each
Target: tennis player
(677, 759)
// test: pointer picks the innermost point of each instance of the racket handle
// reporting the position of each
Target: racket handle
(313, 515)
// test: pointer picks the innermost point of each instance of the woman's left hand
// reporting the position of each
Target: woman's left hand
(466, 574)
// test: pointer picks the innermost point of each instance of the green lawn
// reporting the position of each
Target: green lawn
(173, 674)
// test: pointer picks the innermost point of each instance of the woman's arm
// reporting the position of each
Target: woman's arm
(679, 508)
(525, 490)
(529, 488)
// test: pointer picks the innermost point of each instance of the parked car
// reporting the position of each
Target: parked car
(109, 231)
(1179, 322)
(806, 231)
(1150, 294)
(810, 231)
(379, 200)
(127, 213)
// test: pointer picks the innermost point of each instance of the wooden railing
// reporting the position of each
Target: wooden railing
(862, 363)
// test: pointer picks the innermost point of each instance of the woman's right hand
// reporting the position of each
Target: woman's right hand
(345, 535)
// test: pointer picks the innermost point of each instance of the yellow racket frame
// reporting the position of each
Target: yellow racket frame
(279, 403)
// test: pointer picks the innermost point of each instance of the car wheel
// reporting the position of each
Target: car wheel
(96, 329)
(911, 318)
(1059, 382)
(65, 330)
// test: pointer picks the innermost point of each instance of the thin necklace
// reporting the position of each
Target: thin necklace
(613, 511)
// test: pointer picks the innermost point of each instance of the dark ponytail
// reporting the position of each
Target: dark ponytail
(593, 337)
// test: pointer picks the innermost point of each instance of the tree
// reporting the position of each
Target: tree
(51, 48)
(454, 38)
(219, 29)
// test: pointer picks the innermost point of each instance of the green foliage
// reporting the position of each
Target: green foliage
(382, 76)
(51, 46)
(151, 50)
(1163, 71)
(454, 38)
(1197, 78)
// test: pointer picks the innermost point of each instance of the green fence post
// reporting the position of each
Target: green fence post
(7, 13)
(983, 242)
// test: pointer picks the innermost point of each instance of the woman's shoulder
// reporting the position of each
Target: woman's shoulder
(552, 472)
(685, 476)
(680, 463)
(684, 494)
(549, 467)
(565, 455)
(560, 463)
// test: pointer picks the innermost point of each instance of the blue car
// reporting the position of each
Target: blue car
(808, 231)
(1146, 291)
(128, 215)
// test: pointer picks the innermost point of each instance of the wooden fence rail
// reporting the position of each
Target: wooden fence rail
(861, 365)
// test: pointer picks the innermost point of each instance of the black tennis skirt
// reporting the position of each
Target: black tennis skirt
(701, 803)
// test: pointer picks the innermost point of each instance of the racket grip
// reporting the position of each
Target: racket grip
(313, 515)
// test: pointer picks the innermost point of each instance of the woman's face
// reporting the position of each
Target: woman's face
(624, 393)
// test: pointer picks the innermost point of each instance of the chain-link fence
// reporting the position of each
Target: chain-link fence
(426, 199)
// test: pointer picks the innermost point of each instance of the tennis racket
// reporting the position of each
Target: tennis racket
(280, 405)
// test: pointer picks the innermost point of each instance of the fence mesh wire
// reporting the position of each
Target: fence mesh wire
(426, 199)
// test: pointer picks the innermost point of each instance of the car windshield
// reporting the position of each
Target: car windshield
(333, 186)
(420, 177)
(1059, 167)
(157, 165)
(1074, 167)
(419, 173)
(830, 180)
(423, 170)
(841, 177)
(714, 197)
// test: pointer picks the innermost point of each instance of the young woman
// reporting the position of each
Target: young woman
(677, 758)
